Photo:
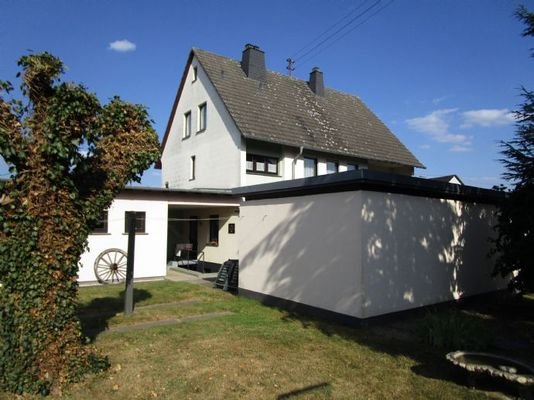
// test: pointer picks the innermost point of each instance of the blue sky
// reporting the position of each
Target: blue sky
(443, 75)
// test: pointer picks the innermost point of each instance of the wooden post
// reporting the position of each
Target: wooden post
(128, 296)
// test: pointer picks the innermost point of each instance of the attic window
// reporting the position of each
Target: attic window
(195, 73)
(262, 164)
(202, 117)
(187, 124)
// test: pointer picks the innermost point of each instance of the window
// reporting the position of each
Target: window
(192, 168)
(262, 164)
(202, 114)
(231, 229)
(214, 230)
(195, 74)
(310, 167)
(352, 167)
(332, 167)
(139, 221)
(187, 124)
(102, 224)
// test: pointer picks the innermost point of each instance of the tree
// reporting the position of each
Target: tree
(69, 157)
(515, 228)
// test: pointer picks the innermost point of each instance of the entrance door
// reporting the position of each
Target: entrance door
(193, 236)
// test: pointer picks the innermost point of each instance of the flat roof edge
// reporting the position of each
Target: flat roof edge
(170, 191)
(372, 181)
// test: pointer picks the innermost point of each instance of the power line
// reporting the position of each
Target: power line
(349, 31)
(352, 20)
(328, 29)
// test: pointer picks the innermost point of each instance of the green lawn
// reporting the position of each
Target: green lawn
(252, 352)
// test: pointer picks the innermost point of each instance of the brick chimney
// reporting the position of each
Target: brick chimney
(253, 62)
(316, 82)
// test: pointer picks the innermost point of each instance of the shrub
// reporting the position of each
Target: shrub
(454, 330)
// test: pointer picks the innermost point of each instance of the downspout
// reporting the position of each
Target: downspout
(301, 149)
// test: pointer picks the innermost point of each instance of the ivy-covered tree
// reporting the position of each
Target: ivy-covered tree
(515, 228)
(69, 157)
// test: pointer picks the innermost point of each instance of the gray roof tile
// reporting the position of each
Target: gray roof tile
(284, 110)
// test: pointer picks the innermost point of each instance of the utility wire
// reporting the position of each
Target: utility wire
(334, 25)
(352, 20)
(311, 56)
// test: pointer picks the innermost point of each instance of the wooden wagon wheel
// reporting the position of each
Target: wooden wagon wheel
(110, 266)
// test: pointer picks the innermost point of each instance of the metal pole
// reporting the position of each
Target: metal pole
(128, 296)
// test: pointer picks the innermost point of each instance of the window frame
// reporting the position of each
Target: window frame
(103, 220)
(202, 117)
(187, 125)
(315, 165)
(140, 222)
(336, 165)
(213, 230)
(261, 159)
(192, 168)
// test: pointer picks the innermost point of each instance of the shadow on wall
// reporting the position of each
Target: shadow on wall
(419, 251)
(367, 253)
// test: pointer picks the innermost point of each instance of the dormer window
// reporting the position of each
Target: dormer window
(187, 124)
(195, 73)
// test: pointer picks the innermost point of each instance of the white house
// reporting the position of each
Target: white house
(308, 189)
(235, 123)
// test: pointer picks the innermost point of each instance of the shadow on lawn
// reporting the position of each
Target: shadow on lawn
(320, 387)
(95, 315)
(510, 319)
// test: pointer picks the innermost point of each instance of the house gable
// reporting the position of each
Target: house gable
(193, 157)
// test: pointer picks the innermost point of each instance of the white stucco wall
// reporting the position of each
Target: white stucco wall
(419, 251)
(365, 253)
(150, 248)
(216, 150)
(304, 249)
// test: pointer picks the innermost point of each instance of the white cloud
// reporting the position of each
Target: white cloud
(487, 117)
(438, 100)
(122, 46)
(424, 146)
(458, 148)
(436, 125)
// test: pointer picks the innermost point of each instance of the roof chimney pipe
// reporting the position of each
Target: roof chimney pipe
(253, 62)
(316, 82)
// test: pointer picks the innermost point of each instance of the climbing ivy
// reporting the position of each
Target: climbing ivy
(69, 156)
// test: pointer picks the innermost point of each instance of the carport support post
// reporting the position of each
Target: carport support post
(128, 297)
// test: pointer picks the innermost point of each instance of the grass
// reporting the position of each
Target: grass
(256, 352)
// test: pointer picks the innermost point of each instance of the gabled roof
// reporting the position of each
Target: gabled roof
(284, 110)
(448, 179)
